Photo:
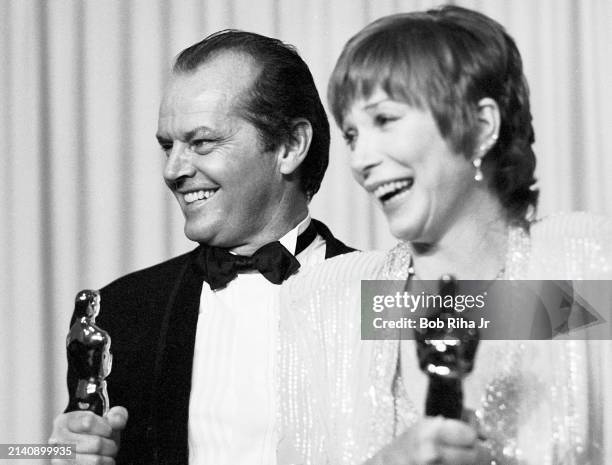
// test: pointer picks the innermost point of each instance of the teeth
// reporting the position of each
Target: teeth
(392, 186)
(198, 195)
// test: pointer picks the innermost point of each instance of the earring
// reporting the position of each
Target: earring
(484, 148)
(478, 174)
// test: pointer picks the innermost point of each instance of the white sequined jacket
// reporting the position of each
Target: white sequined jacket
(539, 402)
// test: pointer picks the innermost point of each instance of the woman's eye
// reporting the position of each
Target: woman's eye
(381, 120)
(349, 138)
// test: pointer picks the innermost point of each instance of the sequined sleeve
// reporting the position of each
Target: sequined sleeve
(337, 404)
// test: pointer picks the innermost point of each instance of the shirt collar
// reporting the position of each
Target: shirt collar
(289, 240)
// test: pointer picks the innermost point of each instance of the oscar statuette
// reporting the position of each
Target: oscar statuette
(89, 357)
(446, 356)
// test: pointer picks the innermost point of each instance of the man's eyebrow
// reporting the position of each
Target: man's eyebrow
(199, 131)
(189, 135)
(161, 139)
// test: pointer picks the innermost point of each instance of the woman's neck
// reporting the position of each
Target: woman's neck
(474, 248)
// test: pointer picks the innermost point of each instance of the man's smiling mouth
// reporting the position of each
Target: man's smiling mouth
(203, 194)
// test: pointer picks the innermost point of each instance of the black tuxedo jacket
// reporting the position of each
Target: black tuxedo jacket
(151, 316)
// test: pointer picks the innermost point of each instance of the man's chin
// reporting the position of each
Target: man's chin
(199, 234)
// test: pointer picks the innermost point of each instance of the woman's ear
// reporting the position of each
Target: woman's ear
(488, 126)
(296, 149)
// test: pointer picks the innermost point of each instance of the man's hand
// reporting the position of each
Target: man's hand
(96, 438)
(433, 441)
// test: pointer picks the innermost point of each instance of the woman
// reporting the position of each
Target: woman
(435, 109)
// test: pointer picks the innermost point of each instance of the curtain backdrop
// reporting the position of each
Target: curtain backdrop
(82, 196)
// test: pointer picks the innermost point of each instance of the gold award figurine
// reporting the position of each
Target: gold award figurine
(446, 356)
(89, 357)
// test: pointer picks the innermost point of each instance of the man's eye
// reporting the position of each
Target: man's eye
(166, 147)
(197, 145)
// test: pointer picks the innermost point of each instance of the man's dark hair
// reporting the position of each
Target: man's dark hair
(282, 92)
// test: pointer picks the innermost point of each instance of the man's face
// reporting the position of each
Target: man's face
(228, 187)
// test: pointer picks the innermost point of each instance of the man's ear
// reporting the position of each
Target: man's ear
(296, 149)
(488, 125)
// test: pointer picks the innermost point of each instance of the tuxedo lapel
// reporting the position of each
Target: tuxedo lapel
(173, 368)
(333, 246)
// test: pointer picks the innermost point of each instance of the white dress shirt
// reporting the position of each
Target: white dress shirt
(232, 408)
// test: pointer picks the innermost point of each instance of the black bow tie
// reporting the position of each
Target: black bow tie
(218, 267)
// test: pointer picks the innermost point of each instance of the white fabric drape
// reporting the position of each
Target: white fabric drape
(82, 196)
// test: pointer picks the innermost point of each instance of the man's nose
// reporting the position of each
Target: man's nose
(179, 163)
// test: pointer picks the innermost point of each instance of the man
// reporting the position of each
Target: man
(246, 140)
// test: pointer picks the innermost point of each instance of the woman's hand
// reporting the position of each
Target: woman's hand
(434, 441)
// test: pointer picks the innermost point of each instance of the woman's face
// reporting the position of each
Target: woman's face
(399, 156)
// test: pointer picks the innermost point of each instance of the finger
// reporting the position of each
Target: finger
(87, 459)
(88, 444)
(428, 452)
(421, 445)
(429, 428)
(456, 433)
(469, 416)
(60, 429)
(96, 445)
(89, 423)
(61, 434)
(458, 455)
(117, 418)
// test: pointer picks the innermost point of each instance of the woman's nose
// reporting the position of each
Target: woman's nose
(366, 155)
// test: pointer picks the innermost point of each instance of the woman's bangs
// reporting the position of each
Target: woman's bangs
(379, 62)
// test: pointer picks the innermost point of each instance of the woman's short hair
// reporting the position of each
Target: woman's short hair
(446, 60)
